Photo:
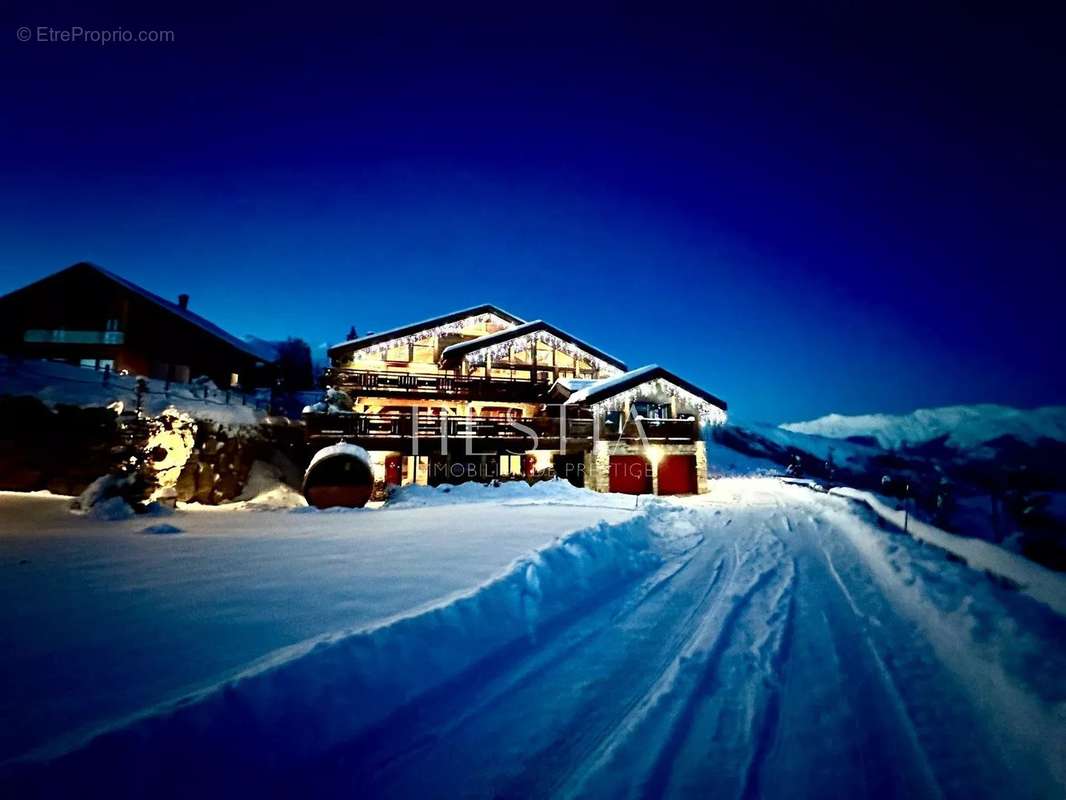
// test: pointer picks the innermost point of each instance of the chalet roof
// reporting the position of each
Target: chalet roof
(574, 384)
(172, 308)
(601, 390)
(458, 351)
(415, 327)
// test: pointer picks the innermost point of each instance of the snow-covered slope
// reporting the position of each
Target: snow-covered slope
(964, 426)
(55, 383)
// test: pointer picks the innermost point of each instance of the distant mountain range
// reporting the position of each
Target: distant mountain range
(990, 471)
(959, 427)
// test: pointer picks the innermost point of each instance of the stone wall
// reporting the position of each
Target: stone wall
(218, 467)
(598, 460)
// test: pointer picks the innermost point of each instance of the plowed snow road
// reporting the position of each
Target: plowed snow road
(763, 663)
(762, 641)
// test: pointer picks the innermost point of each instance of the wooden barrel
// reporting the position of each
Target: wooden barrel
(339, 475)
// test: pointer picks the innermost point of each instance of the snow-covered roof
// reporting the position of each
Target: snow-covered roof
(601, 390)
(172, 308)
(575, 384)
(458, 351)
(415, 327)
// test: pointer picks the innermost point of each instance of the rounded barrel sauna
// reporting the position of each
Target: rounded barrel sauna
(339, 475)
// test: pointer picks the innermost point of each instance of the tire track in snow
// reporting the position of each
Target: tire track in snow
(383, 754)
(624, 763)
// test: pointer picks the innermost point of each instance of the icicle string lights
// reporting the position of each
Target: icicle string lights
(426, 333)
(708, 413)
(524, 343)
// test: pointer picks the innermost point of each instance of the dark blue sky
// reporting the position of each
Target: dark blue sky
(804, 212)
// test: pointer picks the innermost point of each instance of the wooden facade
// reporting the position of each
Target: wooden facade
(86, 315)
(480, 394)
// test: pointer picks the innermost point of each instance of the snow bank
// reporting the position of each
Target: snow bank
(162, 528)
(265, 490)
(113, 508)
(1039, 582)
(1004, 649)
(964, 426)
(507, 493)
(304, 700)
(103, 500)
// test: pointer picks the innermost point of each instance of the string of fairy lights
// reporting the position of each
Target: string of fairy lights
(522, 344)
(497, 352)
(456, 326)
(708, 413)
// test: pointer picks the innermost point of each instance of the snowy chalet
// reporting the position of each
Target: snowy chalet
(480, 394)
(87, 316)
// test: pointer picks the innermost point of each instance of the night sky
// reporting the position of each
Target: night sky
(803, 212)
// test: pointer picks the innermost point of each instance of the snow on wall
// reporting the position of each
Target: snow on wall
(330, 690)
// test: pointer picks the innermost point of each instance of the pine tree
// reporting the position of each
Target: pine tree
(352, 334)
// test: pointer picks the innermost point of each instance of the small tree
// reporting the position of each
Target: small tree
(294, 365)
(352, 335)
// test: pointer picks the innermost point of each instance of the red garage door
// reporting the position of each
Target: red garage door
(629, 475)
(677, 475)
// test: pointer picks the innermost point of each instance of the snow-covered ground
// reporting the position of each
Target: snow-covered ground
(764, 640)
(99, 620)
(54, 383)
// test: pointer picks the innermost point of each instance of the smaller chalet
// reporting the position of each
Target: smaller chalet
(85, 315)
(480, 394)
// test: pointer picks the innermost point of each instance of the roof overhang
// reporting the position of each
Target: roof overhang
(425, 326)
(602, 392)
(537, 329)
(225, 337)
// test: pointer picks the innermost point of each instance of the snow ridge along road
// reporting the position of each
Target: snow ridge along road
(763, 642)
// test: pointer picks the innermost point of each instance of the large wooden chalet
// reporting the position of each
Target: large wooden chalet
(480, 394)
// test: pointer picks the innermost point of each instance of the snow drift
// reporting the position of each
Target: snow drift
(1038, 582)
(302, 701)
(555, 492)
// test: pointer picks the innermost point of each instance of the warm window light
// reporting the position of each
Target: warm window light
(655, 455)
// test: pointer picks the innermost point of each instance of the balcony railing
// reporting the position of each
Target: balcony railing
(427, 426)
(64, 336)
(442, 385)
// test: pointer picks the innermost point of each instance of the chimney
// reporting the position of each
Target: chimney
(183, 301)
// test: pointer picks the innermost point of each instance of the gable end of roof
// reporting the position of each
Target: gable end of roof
(415, 327)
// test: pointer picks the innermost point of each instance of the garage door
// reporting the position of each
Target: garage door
(677, 475)
(629, 475)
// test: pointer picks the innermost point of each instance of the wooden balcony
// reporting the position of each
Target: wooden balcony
(659, 430)
(443, 385)
(401, 431)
